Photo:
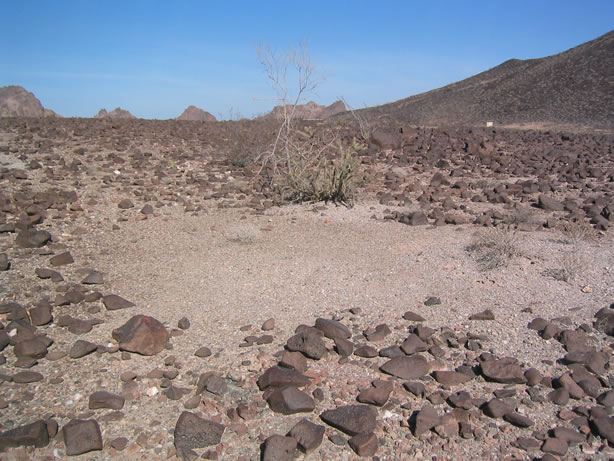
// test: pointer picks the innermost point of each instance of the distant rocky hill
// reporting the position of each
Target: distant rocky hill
(194, 113)
(575, 87)
(115, 113)
(16, 101)
(309, 111)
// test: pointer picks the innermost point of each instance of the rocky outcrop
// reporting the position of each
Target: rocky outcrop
(196, 114)
(309, 111)
(115, 113)
(16, 101)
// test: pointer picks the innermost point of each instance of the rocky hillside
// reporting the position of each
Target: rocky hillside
(16, 101)
(575, 87)
(194, 113)
(115, 113)
(309, 111)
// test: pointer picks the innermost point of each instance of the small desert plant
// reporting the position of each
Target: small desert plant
(317, 178)
(522, 215)
(243, 233)
(570, 265)
(364, 124)
(577, 232)
(495, 248)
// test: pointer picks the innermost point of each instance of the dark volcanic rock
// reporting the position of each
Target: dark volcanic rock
(484, 315)
(93, 278)
(34, 348)
(5, 264)
(27, 377)
(49, 274)
(62, 259)
(280, 377)
(425, 420)
(279, 448)
(289, 400)
(549, 204)
(41, 315)
(115, 302)
(504, 370)
(81, 348)
(30, 435)
(82, 436)
(333, 329)
(103, 399)
(308, 435)
(364, 444)
(141, 334)
(191, 431)
(351, 419)
(309, 343)
(406, 367)
(413, 344)
(451, 378)
(413, 317)
(31, 238)
(377, 394)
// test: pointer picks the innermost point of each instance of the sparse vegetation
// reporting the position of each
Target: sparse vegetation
(523, 215)
(495, 248)
(364, 124)
(320, 179)
(304, 167)
(243, 233)
(571, 264)
(578, 232)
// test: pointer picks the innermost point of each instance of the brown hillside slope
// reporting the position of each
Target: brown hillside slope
(575, 87)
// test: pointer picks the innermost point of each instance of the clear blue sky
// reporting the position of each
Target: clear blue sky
(156, 58)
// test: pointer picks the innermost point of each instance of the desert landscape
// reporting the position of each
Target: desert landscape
(416, 285)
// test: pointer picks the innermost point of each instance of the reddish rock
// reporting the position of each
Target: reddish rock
(141, 334)
(279, 377)
(364, 444)
(377, 394)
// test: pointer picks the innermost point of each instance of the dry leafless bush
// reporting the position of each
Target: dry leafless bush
(243, 233)
(569, 265)
(578, 232)
(495, 248)
(522, 215)
(364, 124)
(316, 178)
(300, 161)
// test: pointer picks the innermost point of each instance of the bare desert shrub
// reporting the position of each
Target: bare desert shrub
(523, 215)
(303, 166)
(317, 178)
(571, 264)
(578, 232)
(495, 248)
(364, 124)
(243, 233)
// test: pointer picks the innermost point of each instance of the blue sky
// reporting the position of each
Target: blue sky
(156, 58)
